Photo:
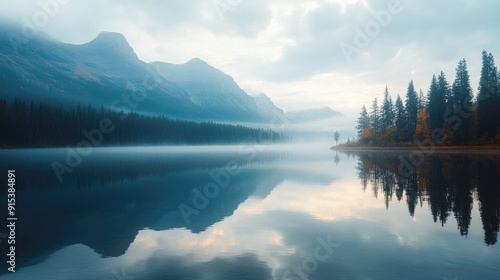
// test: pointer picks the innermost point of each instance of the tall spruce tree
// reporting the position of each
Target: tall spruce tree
(387, 111)
(411, 105)
(461, 98)
(422, 102)
(436, 106)
(444, 91)
(400, 120)
(361, 122)
(488, 98)
(375, 118)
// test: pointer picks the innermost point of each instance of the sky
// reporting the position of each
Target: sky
(302, 54)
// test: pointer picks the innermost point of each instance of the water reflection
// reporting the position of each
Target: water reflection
(446, 183)
(117, 216)
(115, 193)
(111, 165)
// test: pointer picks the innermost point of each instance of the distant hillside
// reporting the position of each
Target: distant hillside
(267, 108)
(312, 115)
(211, 89)
(107, 72)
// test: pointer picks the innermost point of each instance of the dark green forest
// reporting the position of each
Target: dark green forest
(29, 124)
(448, 115)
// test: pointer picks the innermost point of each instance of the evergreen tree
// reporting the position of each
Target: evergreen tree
(488, 99)
(375, 118)
(400, 120)
(444, 91)
(461, 98)
(336, 137)
(411, 105)
(387, 112)
(421, 100)
(436, 106)
(437, 101)
(362, 121)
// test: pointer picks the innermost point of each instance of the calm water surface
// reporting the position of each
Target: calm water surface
(253, 213)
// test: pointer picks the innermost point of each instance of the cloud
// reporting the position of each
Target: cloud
(246, 18)
(246, 266)
(434, 31)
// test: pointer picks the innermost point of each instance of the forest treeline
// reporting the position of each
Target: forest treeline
(29, 124)
(447, 115)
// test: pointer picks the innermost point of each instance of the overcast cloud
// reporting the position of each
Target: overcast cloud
(291, 49)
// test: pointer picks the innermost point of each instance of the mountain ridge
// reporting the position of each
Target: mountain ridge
(112, 43)
(209, 87)
(313, 114)
(106, 70)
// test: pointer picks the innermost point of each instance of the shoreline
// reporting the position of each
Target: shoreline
(437, 149)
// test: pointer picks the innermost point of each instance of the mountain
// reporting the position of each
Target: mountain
(107, 72)
(312, 115)
(267, 107)
(104, 72)
(211, 89)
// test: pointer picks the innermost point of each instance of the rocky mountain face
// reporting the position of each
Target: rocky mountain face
(107, 72)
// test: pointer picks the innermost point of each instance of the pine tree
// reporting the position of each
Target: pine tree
(411, 105)
(461, 98)
(436, 106)
(400, 120)
(444, 91)
(387, 112)
(375, 118)
(361, 122)
(487, 100)
(336, 137)
(421, 100)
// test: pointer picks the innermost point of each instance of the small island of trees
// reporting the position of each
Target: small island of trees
(448, 115)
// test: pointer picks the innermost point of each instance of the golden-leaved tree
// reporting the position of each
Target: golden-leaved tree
(422, 131)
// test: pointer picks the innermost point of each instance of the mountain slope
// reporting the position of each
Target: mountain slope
(312, 115)
(267, 108)
(107, 72)
(211, 89)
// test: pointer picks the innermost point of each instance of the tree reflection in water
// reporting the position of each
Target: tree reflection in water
(447, 183)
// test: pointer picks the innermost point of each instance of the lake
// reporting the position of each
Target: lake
(252, 212)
